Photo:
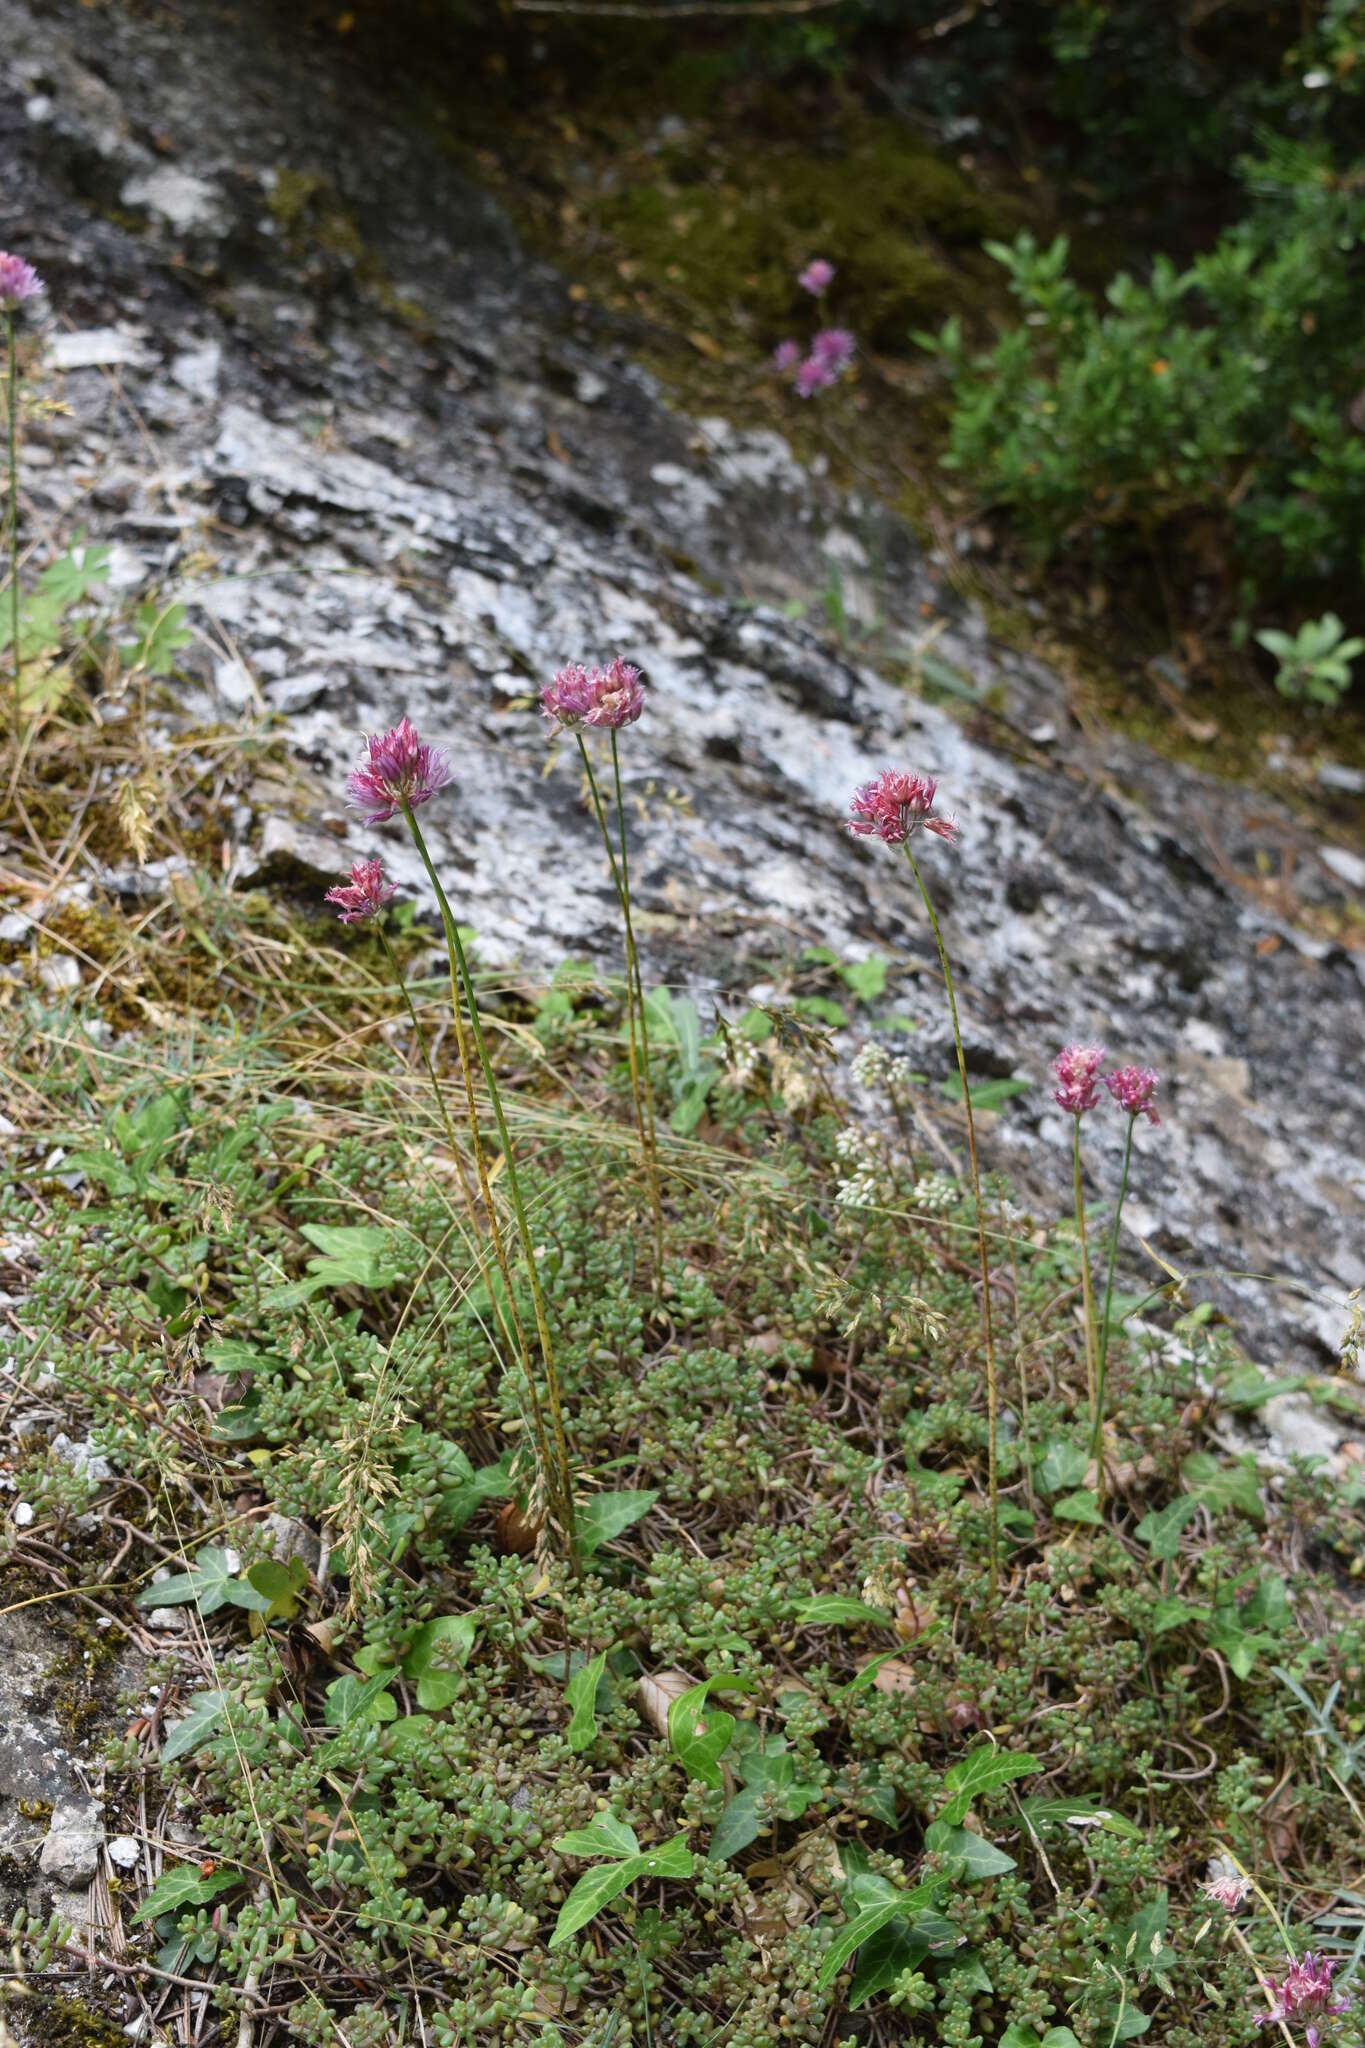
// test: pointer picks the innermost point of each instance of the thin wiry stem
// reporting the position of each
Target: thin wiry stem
(461, 976)
(1087, 1297)
(640, 1080)
(436, 1088)
(14, 512)
(988, 1335)
(633, 970)
(1109, 1287)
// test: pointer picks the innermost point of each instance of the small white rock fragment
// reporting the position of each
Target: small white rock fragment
(75, 1836)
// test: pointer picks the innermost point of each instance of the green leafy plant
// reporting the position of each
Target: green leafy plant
(1315, 662)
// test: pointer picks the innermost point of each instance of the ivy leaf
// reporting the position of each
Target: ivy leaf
(280, 1585)
(1062, 1466)
(828, 1609)
(699, 1735)
(1079, 1507)
(604, 1835)
(1160, 1530)
(1224, 1486)
(1079, 1813)
(1022, 2035)
(209, 1584)
(597, 1888)
(737, 1827)
(865, 1924)
(352, 1701)
(207, 1709)
(490, 1482)
(581, 1694)
(183, 1886)
(605, 1516)
(881, 1960)
(980, 1772)
(594, 1890)
(976, 1857)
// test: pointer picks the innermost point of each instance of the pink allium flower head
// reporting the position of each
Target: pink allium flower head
(1307, 1989)
(896, 806)
(568, 699)
(786, 355)
(399, 771)
(813, 376)
(1228, 1890)
(364, 895)
(817, 277)
(833, 346)
(1133, 1088)
(18, 281)
(617, 698)
(603, 697)
(1077, 1069)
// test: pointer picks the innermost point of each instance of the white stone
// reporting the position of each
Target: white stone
(75, 1836)
(60, 973)
(1347, 867)
(197, 370)
(175, 196)
(98, 348)
(123, 1852)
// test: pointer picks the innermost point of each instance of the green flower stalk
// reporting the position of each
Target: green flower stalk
(399, 772)
(893, 809)
(19, 282)
(1133, 1089)
(608, 699)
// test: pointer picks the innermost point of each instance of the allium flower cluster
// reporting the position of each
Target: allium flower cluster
(607, 698)
(896, 806)
(831, 353)
(1306, 1990)
(1133, 1088)
(1077, 1069)
(364, 895)
(399, 771)
(18, 281)
(817, 277)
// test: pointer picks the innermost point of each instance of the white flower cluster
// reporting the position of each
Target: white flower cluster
(935, 1193)
(870, 1067)
(861, 1187)
(741, 1062)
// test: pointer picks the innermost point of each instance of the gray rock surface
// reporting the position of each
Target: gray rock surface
(370, 514)
(70, 1855)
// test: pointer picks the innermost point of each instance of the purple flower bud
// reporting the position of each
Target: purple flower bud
(364, 895)
(399, 771)
(1077, 1069)
(18, 281)
(896, 806)
(786, 355)
(1133, 1088)
(817, 277)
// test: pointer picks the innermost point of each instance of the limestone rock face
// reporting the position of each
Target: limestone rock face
(371, 512)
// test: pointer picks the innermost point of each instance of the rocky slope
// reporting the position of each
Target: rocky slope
(314, 389)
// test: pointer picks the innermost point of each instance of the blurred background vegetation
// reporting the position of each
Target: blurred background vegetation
(1103, 259)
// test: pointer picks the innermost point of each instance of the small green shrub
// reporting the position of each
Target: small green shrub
(1222, 389)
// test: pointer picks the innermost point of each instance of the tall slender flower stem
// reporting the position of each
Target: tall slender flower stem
(13, 423)
(633, 970)
(640, 1079)
(460, 976)
(1109, 1289)
(992, 1388)
(1087, 1297)
(436, 1088)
